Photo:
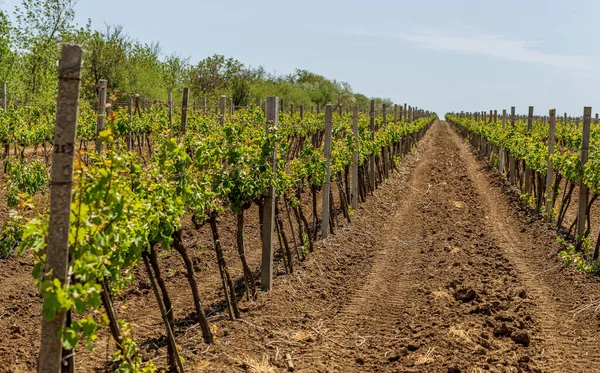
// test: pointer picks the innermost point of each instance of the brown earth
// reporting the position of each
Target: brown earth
(441, 270)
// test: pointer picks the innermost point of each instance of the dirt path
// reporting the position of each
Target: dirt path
(459, 282)
(441, 270)
(569, 338)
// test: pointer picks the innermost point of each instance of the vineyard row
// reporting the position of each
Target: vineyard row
(115, 208)
(547, 160)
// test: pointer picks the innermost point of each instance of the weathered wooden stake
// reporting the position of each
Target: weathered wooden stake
(372, 157)
(355, 159)
(501, 150)
(528, 172)
(266, 282)
(170, 99)
(550, 172)
(130, 114)
(386, 158)
(583, 188)
(222, 106)
(184, 108)
(511, 160)
(101, 113)
(327, 186)
(61, 176)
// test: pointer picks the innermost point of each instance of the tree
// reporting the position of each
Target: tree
(213, 76)
(40, 27)
(7, 56)
(106, 56)
(174, 72)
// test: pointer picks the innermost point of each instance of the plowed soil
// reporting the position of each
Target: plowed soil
(441, 270)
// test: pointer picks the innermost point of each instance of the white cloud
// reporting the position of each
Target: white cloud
(489, 45)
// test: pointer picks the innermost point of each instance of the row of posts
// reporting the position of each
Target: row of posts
(57, 252)
(272, 109)
(492, 116)
(583, 199)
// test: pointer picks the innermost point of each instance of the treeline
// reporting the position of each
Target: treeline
(30, 39)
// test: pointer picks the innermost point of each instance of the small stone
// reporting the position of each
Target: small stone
(465, 295)
(502, 331)
(394, 356)
(412, 347)
(521, 337)
(504, 316)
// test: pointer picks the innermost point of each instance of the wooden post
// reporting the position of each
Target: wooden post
(4, 99)
(565, 119)
(405, 112)
(101, 113)
(528, 172)
(596, 119)
(395, 113)
(327, 186)
(372, 157)
(184, 108)
(511, 160)
(583, 189)
(302, 112)
(204, 105)
(491, 116)
(550, 172)
(130, 113)
(57, 250)
(222, 107)
(386, 158)
(512, 116)
(318, 108)
(266, 282)
(355, 159)
(495, 116)
(292, 110)
(501, 150)
(340, 110)
(170, 99)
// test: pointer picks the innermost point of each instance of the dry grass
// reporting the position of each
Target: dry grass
(254, 365)
(425, 359)
(464, 336)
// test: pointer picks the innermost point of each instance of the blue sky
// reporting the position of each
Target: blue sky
(443, 55)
